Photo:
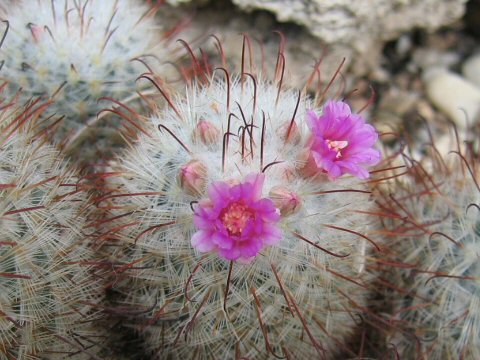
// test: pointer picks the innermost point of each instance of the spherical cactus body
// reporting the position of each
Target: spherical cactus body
(434, 228)
(49, 286)
(80, 54)
(242, 216)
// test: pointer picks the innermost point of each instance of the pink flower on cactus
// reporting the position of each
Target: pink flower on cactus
(235, 221)
(341, 142)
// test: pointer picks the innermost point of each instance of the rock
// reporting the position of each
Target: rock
(404, 45)
(302, 50)
(446, 143)
(453, 95)
(398, 101)
(357, 27)
(359, 22)
(472, 18)
(424, 58)
(471, 69)
(364, 26)
(393, 107)
(425, 110)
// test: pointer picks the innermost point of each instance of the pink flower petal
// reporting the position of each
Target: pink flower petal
(235, 221)
(222, 241)
(257, 181)
(229, 254)
(251, 249)
(201, 221)
(272, 234)
(341, 142)
(201, 241)
(218, 190)
(355, 170)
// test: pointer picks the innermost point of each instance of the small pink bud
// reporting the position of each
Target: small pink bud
(309, 168)
(286, 171)
(289, 133)
(207, 132)
(37, 32)
(192, 177)
(289, 174)
(287, 201)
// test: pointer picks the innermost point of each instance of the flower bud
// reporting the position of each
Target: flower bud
(207, 132)
(192, 177)
(309, 168)
(286, 171)
(287, 201)
(37, 32)
(289, 134)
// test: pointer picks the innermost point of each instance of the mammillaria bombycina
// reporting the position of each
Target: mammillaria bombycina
(81, 55)
(230, 246)
(434, 244)
(50, 287)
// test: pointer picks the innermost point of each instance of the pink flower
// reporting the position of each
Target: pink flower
(341, 142)
(235, 221)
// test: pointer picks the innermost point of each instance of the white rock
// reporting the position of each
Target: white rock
(425, 58)
(471, 69)
(447, 143)
(453, 95)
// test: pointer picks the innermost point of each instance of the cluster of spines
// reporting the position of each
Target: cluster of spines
(432, 262)
(50, 287)
(298, 297)
(41, 52)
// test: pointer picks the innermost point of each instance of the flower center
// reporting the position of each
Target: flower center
(337, 146)
(235, 217)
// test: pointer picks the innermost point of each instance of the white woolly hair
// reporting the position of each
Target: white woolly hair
(298, 298)
(47, 287)
(438, 240)
(78, 51)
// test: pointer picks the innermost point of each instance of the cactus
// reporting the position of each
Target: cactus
(49, 289)
(240, 238)
(434, 228)
(78, 53)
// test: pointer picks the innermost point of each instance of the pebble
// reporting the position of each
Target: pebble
(446, 143)
(453, 95)
(471, 69)
(398, 101)
(425, 58)
(425, 110)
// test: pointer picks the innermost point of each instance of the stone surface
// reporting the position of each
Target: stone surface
(360, 22)
(424, 58)
(453, 95)
(471, 69)
(359, 27)
(302, 50)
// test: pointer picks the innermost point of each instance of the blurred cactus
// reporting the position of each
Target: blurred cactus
(434, 228)
(81, 54)
(49, 290)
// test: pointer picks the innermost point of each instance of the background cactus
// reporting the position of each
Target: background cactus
(297, 295)
(76, 52)
(434, 217)
(49, 286)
